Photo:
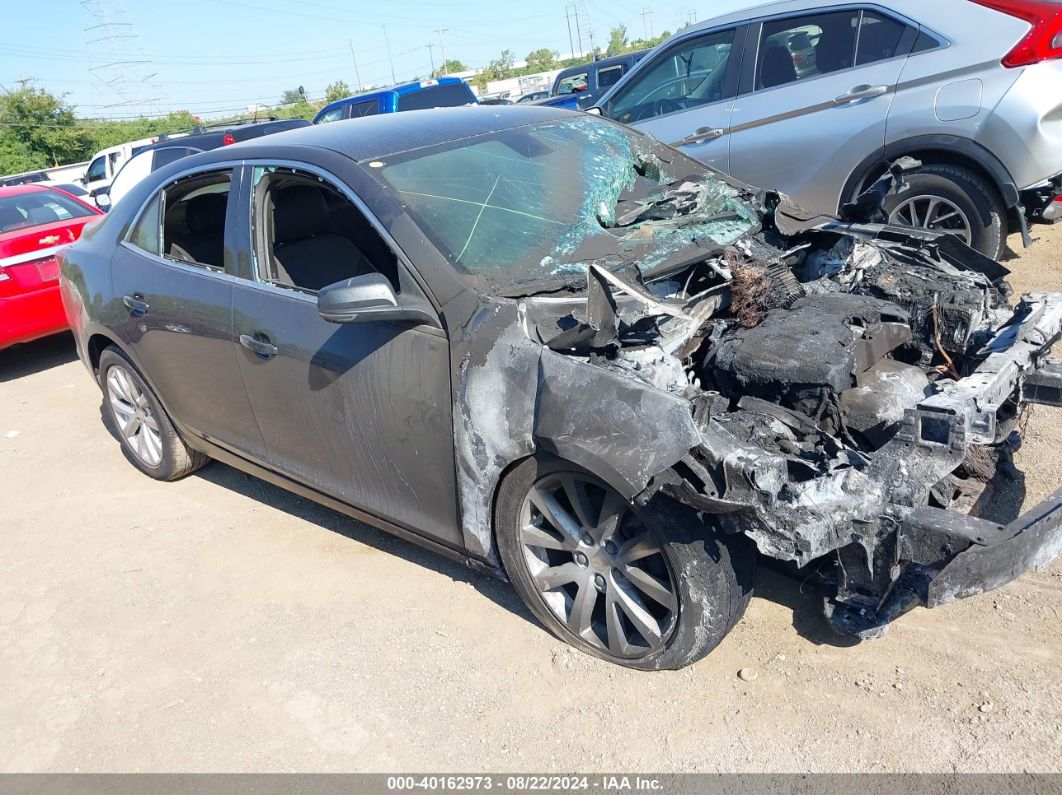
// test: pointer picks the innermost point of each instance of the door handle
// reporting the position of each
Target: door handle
(135, 304)
(263, 348)
(860, 93)
(701, 135)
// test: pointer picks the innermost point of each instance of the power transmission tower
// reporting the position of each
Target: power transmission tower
(121, 71)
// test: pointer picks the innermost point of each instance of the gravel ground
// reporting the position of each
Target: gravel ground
(221, 624)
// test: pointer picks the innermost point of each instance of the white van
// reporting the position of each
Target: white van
(107, 162)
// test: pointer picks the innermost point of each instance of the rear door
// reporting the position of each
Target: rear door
(808, 116)
(683, 95)
(361, 412)
(173, 276)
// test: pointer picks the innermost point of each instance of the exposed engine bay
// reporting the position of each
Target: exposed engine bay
(843, 379)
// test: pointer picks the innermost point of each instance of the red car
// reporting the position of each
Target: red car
(35, 223)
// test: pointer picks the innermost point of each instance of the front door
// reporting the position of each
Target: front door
(176, 304)
(816, 106)
(361, 412)
(683, 96)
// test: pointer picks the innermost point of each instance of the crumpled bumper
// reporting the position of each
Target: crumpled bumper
(1000, 554)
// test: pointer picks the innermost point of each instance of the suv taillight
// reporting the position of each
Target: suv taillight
(1044, 41)
(228, 140)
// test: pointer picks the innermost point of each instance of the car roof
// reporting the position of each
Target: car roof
(212, 139)
(399, 88)
(374, 137)
(756, 10)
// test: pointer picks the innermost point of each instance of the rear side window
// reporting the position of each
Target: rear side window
(610, 76)
(572, 84)
(798, 48)
(163, 157)
(442, 96)
(882, 37)
(368, 108)
(147, 233)
(193, 222)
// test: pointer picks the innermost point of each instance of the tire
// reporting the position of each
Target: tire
(966, 191)
(154, 447)
(709, 575)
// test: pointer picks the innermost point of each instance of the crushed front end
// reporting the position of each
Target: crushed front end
(856, 389)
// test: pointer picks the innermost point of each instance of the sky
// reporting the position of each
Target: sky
(220, 56)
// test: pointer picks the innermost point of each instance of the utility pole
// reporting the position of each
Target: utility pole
(387, 41)
(578, 32)
(568, 19)
(647, 28)
(593, 52)
(431, 56)
(442, 50)
(354, 58)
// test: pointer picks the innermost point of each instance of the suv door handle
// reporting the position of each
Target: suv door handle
(860, 93)
(262, 348)
(136, 305)
(701, 135)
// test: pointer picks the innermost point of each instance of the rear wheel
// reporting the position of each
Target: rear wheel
(955, 201)
(648, 588)
(148, 438)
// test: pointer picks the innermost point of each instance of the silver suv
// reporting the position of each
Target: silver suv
(816, 98)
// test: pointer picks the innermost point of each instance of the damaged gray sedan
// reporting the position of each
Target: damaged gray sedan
(566, 354)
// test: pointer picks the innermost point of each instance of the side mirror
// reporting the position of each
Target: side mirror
(368, 298)
(103, 201)
(594, 111)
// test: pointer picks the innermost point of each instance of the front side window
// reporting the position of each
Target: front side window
(333, 115)
(97, 170)
(539, 202)
(193, 228)
(572, 84)
(798, 48)
(308, 235)
(690, 74)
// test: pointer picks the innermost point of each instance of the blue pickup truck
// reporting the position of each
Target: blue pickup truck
(444, 92)
(577, 87)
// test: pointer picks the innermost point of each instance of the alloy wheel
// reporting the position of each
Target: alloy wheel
(935, 213)
(598, 568)
(132, 412)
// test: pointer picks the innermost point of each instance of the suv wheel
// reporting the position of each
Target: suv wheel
(649, 588)
(149, 440)
(955, 201)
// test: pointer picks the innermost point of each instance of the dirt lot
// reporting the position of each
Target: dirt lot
(221, 624)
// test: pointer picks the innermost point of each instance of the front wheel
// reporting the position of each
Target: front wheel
(649, 588)
(148, 438)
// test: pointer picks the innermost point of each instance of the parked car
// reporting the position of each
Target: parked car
(106, 163)
(445, 92)
(152, 158)
(560, 351)
(35, 223)
(534, 96)
(578, 87)
(972, 89)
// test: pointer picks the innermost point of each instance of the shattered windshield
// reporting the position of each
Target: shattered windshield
(541, 202)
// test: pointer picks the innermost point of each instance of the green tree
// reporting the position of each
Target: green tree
(37, 130)
(617, 41)
(450, 66)
(292, 96)
(542, 60)
(337, 90)
(502, 66)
